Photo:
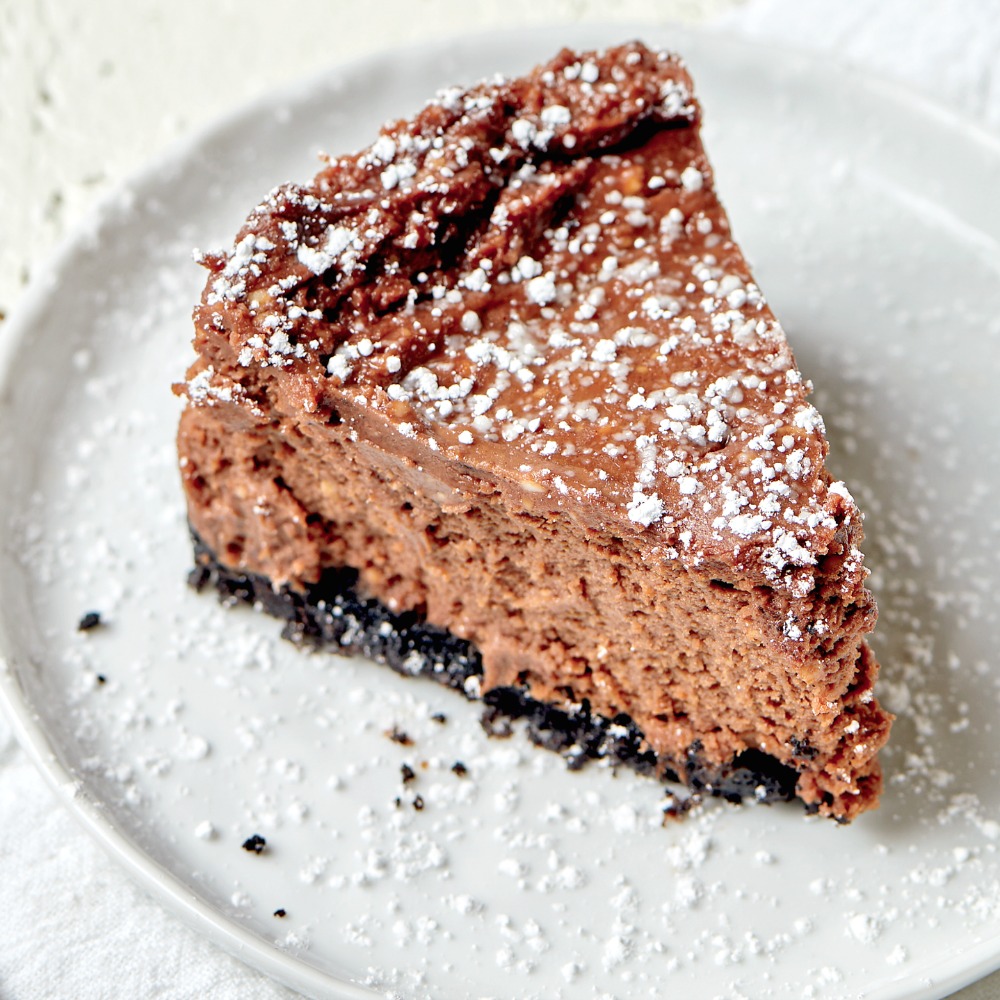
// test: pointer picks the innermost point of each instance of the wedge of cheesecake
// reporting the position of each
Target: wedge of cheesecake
(498, 400)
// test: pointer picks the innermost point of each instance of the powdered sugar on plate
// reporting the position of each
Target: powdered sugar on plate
(449, 863)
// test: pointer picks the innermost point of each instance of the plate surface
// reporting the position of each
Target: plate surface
(874, 225)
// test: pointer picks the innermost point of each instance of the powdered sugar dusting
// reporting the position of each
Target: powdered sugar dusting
(611, 902)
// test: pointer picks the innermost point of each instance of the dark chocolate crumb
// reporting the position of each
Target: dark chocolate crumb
(199, 577)
(459, 768)
(407, 773)
(101, 679)
(398, 736)
(92, 619)
(254, 844)
(676, 807)
(280, 912)
(418, 802)
(440, 718)
(495, 723)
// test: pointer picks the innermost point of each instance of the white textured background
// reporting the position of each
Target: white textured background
(88, 92)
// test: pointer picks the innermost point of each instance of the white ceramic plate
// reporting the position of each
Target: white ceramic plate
(874, 223)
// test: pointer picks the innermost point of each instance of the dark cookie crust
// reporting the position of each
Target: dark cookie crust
(331, 615)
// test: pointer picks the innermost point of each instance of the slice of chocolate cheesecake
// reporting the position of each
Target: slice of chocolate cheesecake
(498, 400)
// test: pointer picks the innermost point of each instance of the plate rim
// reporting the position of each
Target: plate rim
(197, 913)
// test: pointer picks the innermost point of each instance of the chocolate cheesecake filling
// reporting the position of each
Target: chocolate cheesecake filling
(508, 371)
(566, 614)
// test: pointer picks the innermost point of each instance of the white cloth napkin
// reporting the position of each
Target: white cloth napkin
(71, 924)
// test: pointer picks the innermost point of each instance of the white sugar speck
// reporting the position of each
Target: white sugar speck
(864, 928)
(692, 179)
(645, 510)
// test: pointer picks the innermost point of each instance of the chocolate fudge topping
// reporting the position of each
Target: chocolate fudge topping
(509, 365)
